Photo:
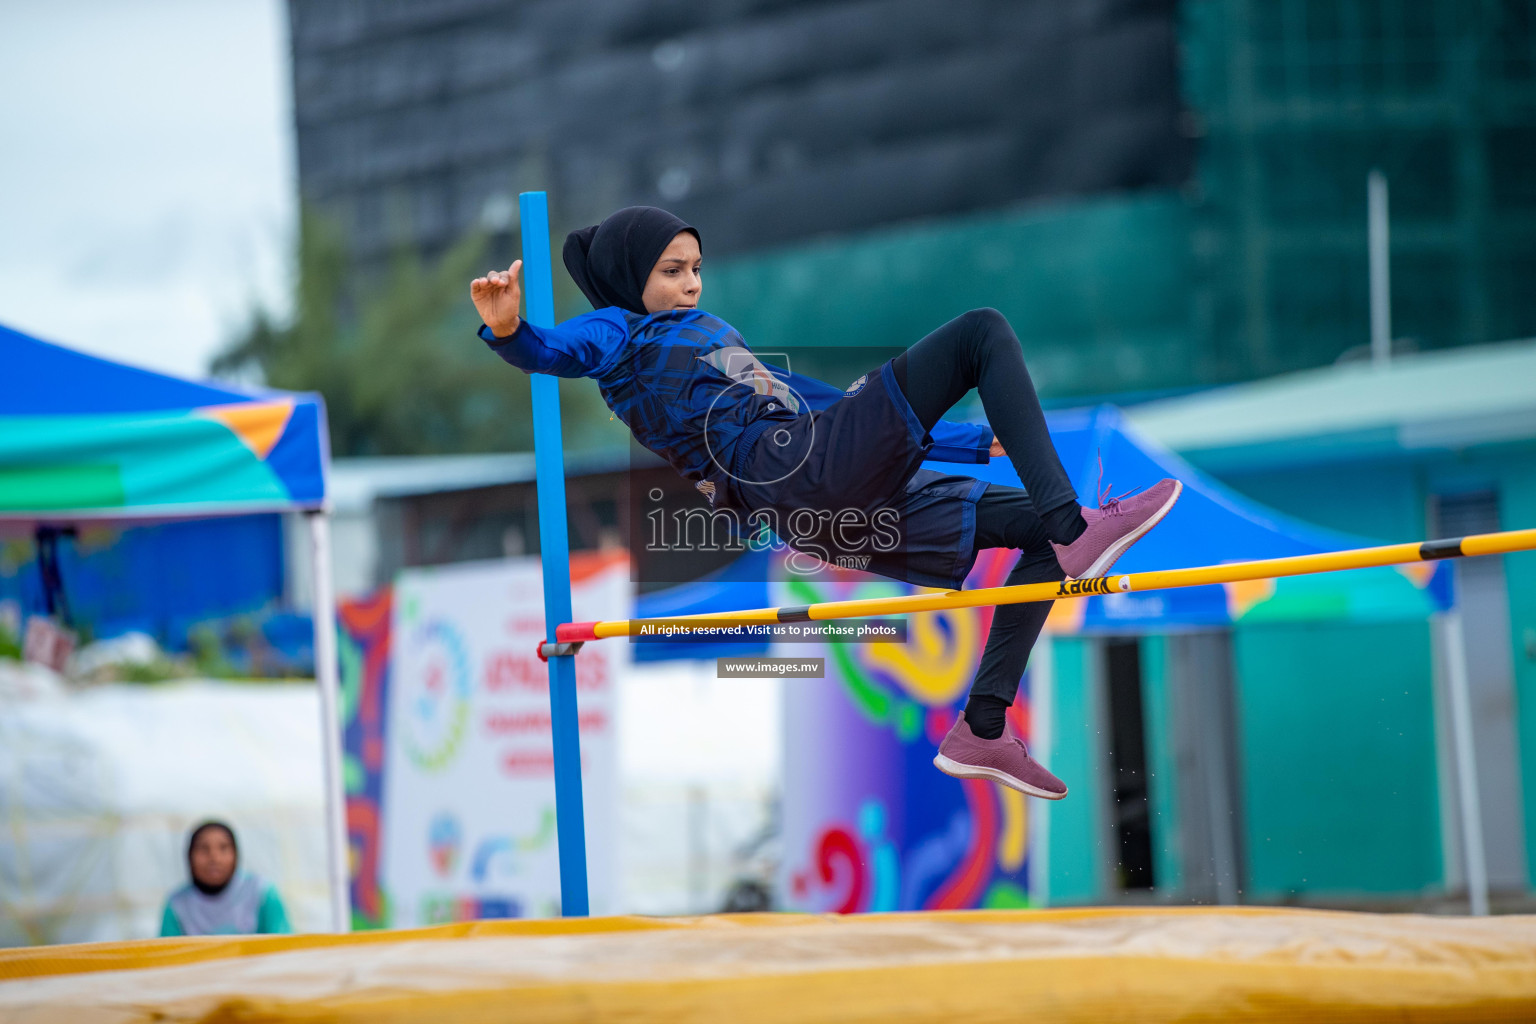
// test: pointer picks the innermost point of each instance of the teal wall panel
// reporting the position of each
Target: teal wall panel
(1518, 511)
(1077, 854)
(1162, 782)
(1338, 749)
(1388, 499)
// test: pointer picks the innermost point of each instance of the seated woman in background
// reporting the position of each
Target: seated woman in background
(221, 899)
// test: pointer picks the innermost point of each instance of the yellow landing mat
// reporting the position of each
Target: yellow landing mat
(1118, 965)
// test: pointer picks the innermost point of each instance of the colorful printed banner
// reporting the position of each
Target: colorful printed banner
(363, 647)
(869, 823)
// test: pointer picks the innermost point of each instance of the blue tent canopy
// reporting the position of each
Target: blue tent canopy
(742, 584)
(87, 438)
(1211, 524)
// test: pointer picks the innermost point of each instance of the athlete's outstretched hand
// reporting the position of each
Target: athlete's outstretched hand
(498, 296)
(996, 451)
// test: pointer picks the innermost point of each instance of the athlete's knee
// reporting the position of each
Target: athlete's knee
(990, 331)
(986, 319)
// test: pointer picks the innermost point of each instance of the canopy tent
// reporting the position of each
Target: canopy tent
(86, 438)
(1211, 525)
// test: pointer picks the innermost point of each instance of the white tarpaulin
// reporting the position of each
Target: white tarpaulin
(469, 797)
(98, 789)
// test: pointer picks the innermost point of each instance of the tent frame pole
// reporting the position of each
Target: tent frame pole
(1458, 683)
(555, 556)
(327, 678)
(1042, 738)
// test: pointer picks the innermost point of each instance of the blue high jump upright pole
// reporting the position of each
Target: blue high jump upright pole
(554, 552)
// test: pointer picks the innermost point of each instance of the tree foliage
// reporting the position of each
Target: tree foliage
(397, 359)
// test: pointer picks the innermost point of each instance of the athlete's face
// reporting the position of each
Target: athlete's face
(675, 281)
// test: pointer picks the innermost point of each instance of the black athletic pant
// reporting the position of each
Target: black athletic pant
(979, 350)
(1005, 518)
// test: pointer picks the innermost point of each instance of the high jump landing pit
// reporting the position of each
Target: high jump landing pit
(1119, 965)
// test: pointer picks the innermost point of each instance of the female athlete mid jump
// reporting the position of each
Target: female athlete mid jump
(762, 440)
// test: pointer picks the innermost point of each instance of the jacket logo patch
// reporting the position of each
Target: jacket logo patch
(743, 367)
(706, 488)
(856, 386)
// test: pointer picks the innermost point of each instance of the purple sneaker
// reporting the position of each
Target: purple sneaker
(1113, 527)
(1004, 760)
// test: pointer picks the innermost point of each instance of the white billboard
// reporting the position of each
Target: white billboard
(469, 796)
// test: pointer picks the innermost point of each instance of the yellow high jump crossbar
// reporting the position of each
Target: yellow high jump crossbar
(571, 635)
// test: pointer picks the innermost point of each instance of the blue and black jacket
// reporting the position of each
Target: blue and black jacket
(691, 390)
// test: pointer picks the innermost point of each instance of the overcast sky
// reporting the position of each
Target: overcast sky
(147, 180)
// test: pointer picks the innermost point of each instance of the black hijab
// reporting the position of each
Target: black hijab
(611, 261)
(212, 890)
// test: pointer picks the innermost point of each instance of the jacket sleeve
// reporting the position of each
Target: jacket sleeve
(583, 346)
(960, 442)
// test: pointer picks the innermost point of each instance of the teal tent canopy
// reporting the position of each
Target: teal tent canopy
(84, 437)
